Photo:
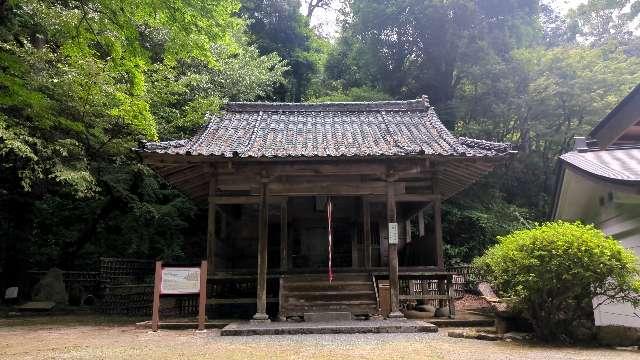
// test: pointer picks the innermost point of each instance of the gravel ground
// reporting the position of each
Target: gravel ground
(90, 341)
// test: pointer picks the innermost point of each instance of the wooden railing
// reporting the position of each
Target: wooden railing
(463, 280)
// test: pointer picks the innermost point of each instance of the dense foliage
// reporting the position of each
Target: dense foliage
(474, 222)
(80, 83)
(553, 271)
(277, 26)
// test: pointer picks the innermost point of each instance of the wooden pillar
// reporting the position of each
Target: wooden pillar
(211, 226)
(155, 311)
(437, 229)
(366, 231)
(202, 297)
(437, 220)
(407, 225)
(284, 236)
(263, 227)
(422, 245)
(354, 252)
(394, 286)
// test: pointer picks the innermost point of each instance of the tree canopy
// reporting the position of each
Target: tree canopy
(81, 83)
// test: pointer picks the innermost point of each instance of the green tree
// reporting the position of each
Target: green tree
(472, 223)
(552, 272)
(181, 94)
(539, 101)
(409, 48)
(278, 27)
(598, 22)
(80, 83)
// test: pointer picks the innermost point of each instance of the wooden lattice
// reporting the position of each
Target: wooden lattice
(128, 290)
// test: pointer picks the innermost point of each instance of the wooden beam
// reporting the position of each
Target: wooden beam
(297, 168)
(239, 200)
(169, 170)
(455, 181)
(310, 167)
(193, 184)
(407, 225)
(186, 174)
(284, 236)
(421, 222)
(211, 226)
(202, 297)
(263, 227)
(247, 199)
(437, 229)
(239, 180)
(394, 285)
(155, 311)
(417, 170)
(469, 172)
(333, 188)
(416, 197)
(355, 259)
(404, 197)
(366, 223)
(417, 184)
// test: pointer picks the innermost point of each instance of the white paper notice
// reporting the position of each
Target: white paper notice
(393, 233)
(180, 281)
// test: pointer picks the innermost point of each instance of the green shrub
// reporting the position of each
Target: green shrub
(552, 272)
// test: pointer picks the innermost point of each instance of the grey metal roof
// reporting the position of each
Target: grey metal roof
(621, 164)
(279, 130)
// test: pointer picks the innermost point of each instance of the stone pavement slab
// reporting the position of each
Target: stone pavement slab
(334, 327)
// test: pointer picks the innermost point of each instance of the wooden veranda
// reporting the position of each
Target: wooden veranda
(265, 172)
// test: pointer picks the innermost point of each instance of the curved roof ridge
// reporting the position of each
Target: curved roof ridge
(394, 105)
(441, 134)
(484, 144)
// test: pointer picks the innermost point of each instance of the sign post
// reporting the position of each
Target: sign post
(393, 233)
(172, 280)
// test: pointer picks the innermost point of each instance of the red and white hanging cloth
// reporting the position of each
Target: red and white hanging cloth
(329, 215)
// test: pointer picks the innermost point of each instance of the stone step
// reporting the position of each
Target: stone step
(345, 286)
(329, 303)
(349, 293)
(300, 310)
(329, 284)
(327, 316)
(340, 327)
(294, 294)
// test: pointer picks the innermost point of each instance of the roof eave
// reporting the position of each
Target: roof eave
(222, 158)
(600, 177)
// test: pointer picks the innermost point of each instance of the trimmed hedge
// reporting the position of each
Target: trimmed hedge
(557, 272)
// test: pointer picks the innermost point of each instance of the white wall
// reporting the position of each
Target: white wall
(616, 214)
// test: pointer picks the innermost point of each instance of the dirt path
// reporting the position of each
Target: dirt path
(88, 341)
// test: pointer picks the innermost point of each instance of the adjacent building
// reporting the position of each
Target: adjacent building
(599, 183)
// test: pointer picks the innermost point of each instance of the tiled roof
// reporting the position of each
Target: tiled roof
(615, 164)
(278, 130)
